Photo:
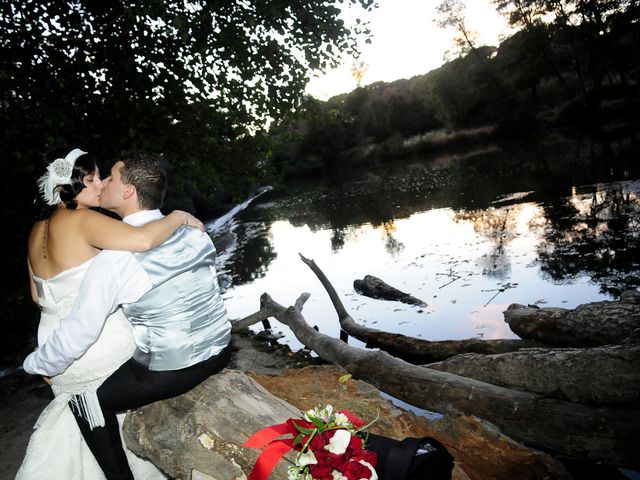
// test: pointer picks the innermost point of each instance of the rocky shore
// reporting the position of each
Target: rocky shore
(23, 396)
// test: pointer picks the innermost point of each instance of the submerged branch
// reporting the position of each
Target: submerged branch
(411, 349)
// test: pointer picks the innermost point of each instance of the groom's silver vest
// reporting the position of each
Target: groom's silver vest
(182, 319)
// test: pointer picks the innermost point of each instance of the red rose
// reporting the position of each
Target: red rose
(321, 471)
(368, 456)
(355, 443)
(334, 461)
(317, 442)
(356, 471)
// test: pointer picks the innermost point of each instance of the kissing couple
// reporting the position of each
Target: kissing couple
(131, 312)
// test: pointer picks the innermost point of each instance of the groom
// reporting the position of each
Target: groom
(170, 295)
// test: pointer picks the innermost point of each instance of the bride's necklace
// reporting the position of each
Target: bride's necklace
(44, 240)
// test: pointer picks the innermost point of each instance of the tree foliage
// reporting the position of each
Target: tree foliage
(184, 78)
(598, 38)
(193, 80)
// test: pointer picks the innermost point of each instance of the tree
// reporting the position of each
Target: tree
(193, 80)
(181, 78)
(595, 32)
(452, 14)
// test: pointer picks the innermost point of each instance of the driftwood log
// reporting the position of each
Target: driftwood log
(375, 287)
(596, 375)
(413, 350)
(589, 325)
(583, 432)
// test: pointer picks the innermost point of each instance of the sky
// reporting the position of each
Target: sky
(406, 42)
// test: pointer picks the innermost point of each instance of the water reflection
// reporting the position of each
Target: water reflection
(392, 245)
(468, 256)
(255, 257)
(594, 234)
(497, 226)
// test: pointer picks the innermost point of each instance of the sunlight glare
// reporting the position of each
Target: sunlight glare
(406, 42)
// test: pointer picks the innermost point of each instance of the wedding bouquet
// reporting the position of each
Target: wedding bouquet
(330, 447)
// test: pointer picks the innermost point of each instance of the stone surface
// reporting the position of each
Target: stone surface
(204, 429)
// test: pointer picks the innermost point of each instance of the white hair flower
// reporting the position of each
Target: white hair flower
(58, 173)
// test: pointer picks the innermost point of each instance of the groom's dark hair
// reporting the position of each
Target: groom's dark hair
(148, 173)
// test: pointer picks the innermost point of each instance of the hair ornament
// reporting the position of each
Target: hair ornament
(58, 173)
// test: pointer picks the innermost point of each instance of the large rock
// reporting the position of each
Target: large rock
(204, 429)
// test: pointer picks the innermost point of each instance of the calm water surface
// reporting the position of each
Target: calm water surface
(467, 245)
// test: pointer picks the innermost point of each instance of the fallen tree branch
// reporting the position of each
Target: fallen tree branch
(596, 375)
(584, 432)
(412, 349)
(588, 325)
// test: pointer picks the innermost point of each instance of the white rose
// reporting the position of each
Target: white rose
(339, 442)
(338, 476)
(342, 420)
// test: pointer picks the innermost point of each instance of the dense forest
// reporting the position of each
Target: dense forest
(218, 88)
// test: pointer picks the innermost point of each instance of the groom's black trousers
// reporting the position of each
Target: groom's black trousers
(133, 386)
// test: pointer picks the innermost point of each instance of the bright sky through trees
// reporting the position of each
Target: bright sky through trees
(407, 42)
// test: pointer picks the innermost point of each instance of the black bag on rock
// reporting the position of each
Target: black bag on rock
(411, 458)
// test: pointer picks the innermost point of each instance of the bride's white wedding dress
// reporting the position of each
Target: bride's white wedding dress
(56, 449)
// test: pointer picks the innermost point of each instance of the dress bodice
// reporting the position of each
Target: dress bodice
(56, 296)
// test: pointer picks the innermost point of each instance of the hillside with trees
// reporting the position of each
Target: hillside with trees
(571, 68)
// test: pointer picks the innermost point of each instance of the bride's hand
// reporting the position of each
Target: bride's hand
(48, 380)
(190, 220)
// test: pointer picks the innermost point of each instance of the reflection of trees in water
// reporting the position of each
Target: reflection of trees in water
(596, 236)
(342, 211)
(392, 245)
(339, 237)
(253, 255)
(498, 226)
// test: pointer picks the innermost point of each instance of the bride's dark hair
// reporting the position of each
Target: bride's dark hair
(83, 166)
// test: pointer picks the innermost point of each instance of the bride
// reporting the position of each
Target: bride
(61, 247)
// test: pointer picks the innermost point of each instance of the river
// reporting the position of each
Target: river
(467, 235)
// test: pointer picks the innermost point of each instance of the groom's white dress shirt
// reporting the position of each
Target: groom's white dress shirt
(113, 278)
